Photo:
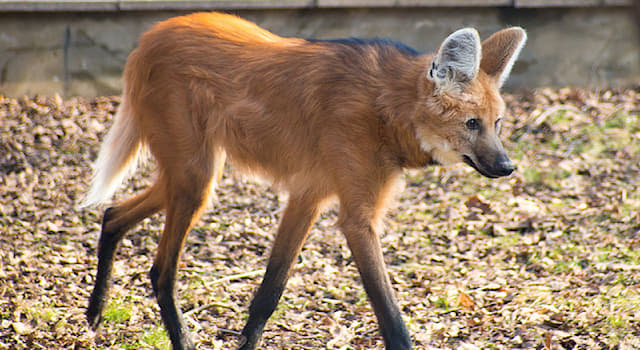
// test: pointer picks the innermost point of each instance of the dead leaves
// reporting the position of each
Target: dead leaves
(474, 202)
(547, 258)
(466, 302)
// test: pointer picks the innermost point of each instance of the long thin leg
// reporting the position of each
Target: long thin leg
(365, 246)
(185, 201)
(361, 205)
(115, 223)
(294, 227)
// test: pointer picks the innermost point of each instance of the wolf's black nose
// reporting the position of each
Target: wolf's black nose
(505, 167)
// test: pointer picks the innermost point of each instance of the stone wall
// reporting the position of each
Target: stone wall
(83, 53)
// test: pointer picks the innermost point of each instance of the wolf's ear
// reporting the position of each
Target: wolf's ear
(457, 60)
(500, 51)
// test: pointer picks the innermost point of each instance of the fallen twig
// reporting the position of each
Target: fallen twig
(238, 276)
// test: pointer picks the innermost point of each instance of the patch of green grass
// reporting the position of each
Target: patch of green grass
(156, 338)
(117, 311)
(568, 266)
(441, 302)
(608, 254)
(629, 257)
(61, 324)
(532, 175)
(43, 314)
(507, 241)
(617, 322)
(622, 120)
(614, 123)
(131, 345)
(614, 134)
(283, 306)
(363, 300)
(569, 305)
(625, 280)
(630, 206)
(618, 305)
(562, 267)
(561, 117)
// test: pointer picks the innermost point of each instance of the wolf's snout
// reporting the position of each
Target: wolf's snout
(499, 167)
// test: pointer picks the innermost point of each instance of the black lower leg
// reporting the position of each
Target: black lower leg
(106, 249)
(262, 306)
(394, 331)
(171, 315)
(293, 229)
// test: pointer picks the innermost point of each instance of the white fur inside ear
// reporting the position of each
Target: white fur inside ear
(516, 52)
(458, 58)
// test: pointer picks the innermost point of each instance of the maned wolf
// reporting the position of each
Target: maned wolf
(319, 118)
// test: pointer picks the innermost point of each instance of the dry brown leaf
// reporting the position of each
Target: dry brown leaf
(466, 302)
(475, 202)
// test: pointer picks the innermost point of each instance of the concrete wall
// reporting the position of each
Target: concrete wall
(83, 53)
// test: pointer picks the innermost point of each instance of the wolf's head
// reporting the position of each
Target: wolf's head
(462, 113)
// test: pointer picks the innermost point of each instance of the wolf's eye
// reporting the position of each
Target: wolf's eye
(498, 126)
(473, 124)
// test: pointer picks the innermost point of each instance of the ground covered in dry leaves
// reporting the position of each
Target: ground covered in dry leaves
(547, 258)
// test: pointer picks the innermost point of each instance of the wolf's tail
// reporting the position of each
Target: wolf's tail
(119, 155)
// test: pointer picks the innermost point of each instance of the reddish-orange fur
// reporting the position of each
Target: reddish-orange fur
(318, 119)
